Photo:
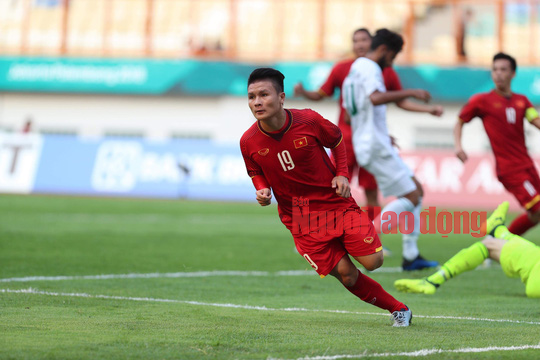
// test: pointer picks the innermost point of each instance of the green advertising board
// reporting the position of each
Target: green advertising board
(216, 78)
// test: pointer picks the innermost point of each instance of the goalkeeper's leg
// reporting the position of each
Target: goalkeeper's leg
(465, 260)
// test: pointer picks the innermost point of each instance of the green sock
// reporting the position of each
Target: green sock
(502, 232)
(465, 260)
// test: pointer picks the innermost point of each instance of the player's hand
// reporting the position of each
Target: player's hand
(299, 89)
(461, 155)
(264, 196)
(341, 184)
(421, 95)
(437, 110)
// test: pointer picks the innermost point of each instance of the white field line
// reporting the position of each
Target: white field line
(180, 275)
(423, 352)
(249, 307)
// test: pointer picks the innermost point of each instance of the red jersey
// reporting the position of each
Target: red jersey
(335, 81)
(391, 79)
(503, 120)
(295, 164)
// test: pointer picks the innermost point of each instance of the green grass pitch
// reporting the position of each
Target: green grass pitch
(246, 307)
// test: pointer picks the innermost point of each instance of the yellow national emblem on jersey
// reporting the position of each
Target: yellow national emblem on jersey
(264, 152)
(300, 143)
(368, 240)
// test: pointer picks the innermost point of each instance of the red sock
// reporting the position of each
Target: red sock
(521, 224)
(372, 292)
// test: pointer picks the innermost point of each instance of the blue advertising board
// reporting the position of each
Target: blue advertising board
(193, 169)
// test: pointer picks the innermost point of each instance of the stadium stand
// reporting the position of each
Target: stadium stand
(235, 29)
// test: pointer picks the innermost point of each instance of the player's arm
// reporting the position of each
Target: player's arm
(470, 110)
(380, 98)
(392, 83)
(299, 90)
(326, 89)
(461, 155)
(263, 192)
(408, 105)
(536, 122)
(341, 181)
(532, 116)
(330, 136)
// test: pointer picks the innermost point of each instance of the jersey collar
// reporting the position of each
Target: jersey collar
(278, 135)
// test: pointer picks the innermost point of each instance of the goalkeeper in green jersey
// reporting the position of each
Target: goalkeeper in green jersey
(518, 258)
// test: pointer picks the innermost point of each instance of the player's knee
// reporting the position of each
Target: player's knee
(374, 262)
(533, 292)
(420, 189)
(348, 279)
(414, 196)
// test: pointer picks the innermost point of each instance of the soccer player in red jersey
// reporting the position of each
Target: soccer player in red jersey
(502, 113)
(361, 40)
(284, 153)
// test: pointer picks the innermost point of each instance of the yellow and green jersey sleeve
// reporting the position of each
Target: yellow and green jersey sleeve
(531, 114)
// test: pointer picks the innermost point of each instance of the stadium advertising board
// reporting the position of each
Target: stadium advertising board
(218, 78)
(202, 169)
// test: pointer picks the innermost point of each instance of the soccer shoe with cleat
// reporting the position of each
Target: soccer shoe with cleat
(416, 286)
(418, 264)
(497, 218)
(401, 318)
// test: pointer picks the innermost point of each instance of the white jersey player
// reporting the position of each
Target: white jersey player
(365, 98)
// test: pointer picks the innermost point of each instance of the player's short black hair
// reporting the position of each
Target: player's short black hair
(392, 40)
(503, 56)
(362, 30)
(268, 74)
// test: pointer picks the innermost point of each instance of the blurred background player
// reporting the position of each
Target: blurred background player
(502, 113)
(284, 153)
(365, 98)
(361, 43)
(518, 258)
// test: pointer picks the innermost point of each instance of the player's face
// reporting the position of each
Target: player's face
(502, 73)
(264, 100)
(387, 59)
(361, 43)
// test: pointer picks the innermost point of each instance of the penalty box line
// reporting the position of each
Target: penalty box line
(196, 274)
(250, 307)
(422, 352)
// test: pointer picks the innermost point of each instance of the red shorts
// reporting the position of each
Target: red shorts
(525, 186)
(356, 237)
(365, 179)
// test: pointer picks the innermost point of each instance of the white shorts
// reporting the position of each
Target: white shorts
(394, 177)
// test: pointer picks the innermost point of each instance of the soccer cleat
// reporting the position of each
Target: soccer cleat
(497, 218)
(418, 264)
(416, 286)
(401, 318)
